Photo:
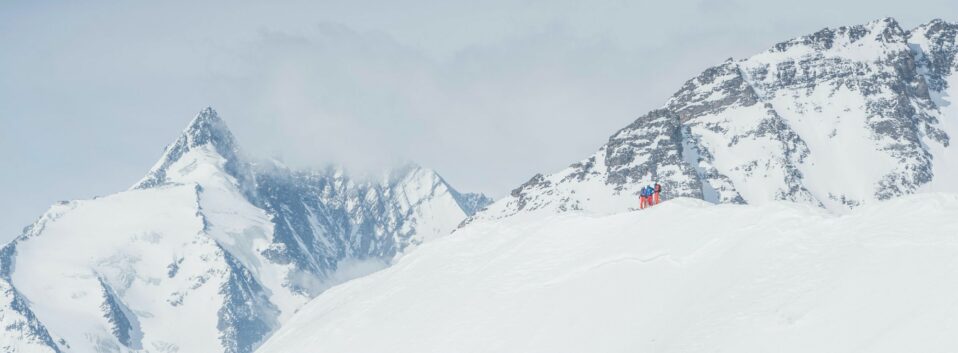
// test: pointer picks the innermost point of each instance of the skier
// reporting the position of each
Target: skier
(643, 200)
(648, 194)
(657, 191)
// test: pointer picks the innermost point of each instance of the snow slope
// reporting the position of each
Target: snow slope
(685, 276)
(210, 252)
(836, 119)
(146, 252)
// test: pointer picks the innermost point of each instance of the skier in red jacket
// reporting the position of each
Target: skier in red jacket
(658, 190)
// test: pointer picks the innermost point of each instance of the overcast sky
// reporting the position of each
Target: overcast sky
(487, 93)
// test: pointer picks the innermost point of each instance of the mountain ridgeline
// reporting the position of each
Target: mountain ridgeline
(831, 122)
(836, 119)
(213, 252)
(210, 252)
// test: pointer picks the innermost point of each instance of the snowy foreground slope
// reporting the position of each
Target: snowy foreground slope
(209, 252)
(685, 276)
(837, 119)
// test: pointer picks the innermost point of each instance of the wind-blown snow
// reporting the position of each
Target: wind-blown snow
(684, 276)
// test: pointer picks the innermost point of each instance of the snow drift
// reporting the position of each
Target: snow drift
(685, 276)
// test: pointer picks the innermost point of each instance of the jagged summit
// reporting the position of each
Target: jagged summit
(208, 127)
(885, 30)
(206, 131)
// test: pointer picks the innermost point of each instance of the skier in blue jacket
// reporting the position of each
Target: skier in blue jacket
(643, 198)
(648, 191)
(645, 193)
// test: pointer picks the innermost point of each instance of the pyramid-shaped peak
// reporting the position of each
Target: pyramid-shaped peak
(206, 129)
(206, 117)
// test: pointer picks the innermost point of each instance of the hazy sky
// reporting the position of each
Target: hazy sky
(485, 92)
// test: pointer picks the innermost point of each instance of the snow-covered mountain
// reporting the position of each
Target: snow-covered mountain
(777, 277)
(831, 122)
(837, 119)
(209, 252)
(213, 252)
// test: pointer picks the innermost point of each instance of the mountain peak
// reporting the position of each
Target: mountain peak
(206, 129)
(884, 22)
(887, 30)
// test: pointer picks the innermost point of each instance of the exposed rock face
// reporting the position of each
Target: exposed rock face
(836, 119)
(651, 149)
(323, 217)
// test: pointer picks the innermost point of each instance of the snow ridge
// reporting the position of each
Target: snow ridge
(804, 278)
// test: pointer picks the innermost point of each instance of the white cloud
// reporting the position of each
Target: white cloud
(481, 117)
(486, 93)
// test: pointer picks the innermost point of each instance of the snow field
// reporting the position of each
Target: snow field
(685, 276)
